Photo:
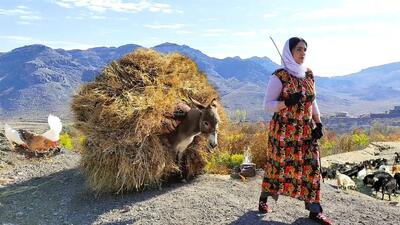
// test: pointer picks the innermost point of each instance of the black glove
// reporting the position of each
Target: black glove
(317, 132)
(293, 99)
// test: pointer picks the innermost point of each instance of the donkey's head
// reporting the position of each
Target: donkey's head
(209, 120)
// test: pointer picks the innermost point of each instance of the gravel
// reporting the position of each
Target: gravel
(53, 191)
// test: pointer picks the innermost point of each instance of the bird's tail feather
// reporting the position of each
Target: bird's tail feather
(12, 135)
(54, 123)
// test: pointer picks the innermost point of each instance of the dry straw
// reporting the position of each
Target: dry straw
(121, 114)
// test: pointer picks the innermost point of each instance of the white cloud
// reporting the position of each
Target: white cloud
(14, 12)
(353, 8)
(86, 16)
(270, 15)
(164, 26)
(16, 38)
(208, 19)
(116, 5)
(362, 28)
(25, 16)
(75, 17)
(341, 55)
(274, 31)
(95, 17)
(184, 32)
(214, 32)
(25, 40)
(245, 34)
(30, 17)
(64, 5)
(158, 7)
(22, 7)
(21, 22)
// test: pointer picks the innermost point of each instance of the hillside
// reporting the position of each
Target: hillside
(36, 80)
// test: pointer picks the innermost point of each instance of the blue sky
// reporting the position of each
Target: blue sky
(343, 36)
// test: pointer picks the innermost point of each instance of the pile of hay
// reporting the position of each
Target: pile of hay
(121, 114)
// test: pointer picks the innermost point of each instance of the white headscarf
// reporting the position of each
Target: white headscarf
(290, 65)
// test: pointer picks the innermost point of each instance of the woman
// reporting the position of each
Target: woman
(293, 166)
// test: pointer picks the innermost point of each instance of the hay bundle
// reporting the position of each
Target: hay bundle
(121, 115)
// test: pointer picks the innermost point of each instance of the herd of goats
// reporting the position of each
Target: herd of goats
(382, 179)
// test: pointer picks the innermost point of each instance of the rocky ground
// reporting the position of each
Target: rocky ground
(52, 190)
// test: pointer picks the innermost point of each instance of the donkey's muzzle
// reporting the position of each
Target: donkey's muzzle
(213, 145)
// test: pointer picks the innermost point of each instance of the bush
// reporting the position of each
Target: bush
(236, 160)
(66, 141)
(239, 137)
(360, 139)
(223, 162)
(357, 139)
(326, 147)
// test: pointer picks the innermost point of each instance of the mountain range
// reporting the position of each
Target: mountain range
(36, 80)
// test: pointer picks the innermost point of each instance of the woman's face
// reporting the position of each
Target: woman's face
(299, 52)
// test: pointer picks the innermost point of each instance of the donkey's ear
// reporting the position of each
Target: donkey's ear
(213, 103)
(197, 104)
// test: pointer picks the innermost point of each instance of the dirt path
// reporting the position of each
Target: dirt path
(53, 191)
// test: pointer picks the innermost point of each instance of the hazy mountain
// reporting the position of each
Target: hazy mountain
(374, 89)
(36, 80)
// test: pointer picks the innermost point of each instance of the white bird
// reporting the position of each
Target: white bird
(55, 128)
(34, 142)
(13, 136)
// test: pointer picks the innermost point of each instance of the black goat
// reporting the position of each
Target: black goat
(389, 186)
(369, 179)
(379, 174)
(397, 158)
(397, 178)
(378, 184)
(329, 173)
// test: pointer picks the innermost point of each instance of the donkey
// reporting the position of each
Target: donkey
(200, 119)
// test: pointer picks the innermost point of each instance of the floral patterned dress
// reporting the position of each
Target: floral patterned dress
(293, 166)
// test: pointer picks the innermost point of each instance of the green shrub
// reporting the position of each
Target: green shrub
(66, 141)
(361, 140)
(221, 163)
(236, 160)
(327, 147)
(224, 159)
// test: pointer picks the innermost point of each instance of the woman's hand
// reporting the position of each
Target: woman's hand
(293, 99)
(317, 132)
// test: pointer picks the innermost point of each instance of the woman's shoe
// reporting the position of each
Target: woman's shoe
(263, 207)
(320, 218)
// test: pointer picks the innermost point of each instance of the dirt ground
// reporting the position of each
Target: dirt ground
(53, 191)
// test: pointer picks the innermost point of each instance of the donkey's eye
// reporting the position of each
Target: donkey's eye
(206, 123)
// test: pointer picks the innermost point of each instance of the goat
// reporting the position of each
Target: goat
(369, 180)
(344, 181)
(329, 173)
(383, 168)
(397, 178)
(389, 186)
(396, 169)
(362, 173)
(379, 174)
(397, 158)
(379, 183)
